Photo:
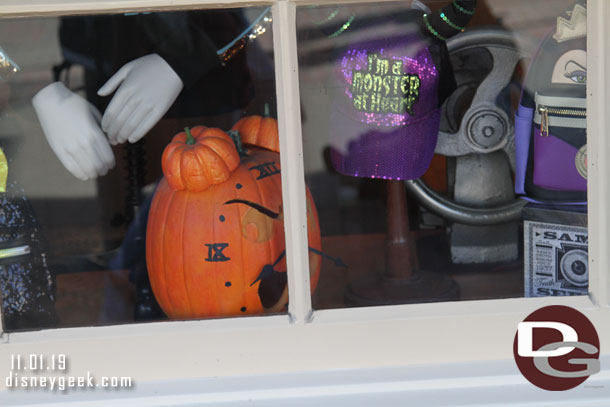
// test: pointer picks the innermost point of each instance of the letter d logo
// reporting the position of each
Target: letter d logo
(526, 339)
(556, 348)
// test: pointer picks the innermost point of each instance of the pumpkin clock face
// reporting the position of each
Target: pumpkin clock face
(220, 251)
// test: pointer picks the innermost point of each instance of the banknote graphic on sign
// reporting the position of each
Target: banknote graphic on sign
(556, 260)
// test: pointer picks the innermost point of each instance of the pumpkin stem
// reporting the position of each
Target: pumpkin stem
(267, 114)
(237, 141)
(190, 140)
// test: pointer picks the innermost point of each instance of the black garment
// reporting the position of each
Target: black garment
(186, 40)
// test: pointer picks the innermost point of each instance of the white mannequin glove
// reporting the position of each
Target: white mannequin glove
(71, 125)
(147, 87)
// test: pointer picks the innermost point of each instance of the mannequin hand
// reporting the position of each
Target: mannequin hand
(71, 125)
(147, 87)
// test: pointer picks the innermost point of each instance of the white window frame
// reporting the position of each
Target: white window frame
(364, 339)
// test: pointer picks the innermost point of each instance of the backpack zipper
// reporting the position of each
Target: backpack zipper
(545, 111)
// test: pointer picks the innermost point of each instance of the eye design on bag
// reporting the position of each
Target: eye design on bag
(571, 68)
(576, 72)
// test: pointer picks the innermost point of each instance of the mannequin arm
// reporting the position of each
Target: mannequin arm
(71, 126)
(145, 90)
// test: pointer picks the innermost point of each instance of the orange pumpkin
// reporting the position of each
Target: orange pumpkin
(198, 158)
(259, 131)
(220, 251)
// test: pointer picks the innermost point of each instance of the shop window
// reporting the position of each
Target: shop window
(439, 172)
(444, 151)
(89, 105)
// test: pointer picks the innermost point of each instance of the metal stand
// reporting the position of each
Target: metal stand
(402, 282)
(146, 306)
(484, 180)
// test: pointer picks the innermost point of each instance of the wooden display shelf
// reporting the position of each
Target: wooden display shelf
(106, 297)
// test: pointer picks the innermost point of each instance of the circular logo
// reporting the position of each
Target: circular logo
(556, 348)
(581, 161)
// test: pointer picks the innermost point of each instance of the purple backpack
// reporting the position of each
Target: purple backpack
(550, 124)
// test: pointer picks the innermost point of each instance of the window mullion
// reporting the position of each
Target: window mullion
(291, 151)
(22, 8)
(598, 87)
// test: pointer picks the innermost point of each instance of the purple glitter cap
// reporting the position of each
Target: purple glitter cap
(385, 118)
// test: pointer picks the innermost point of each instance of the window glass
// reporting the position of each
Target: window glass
(97, 194)
(445, 149)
